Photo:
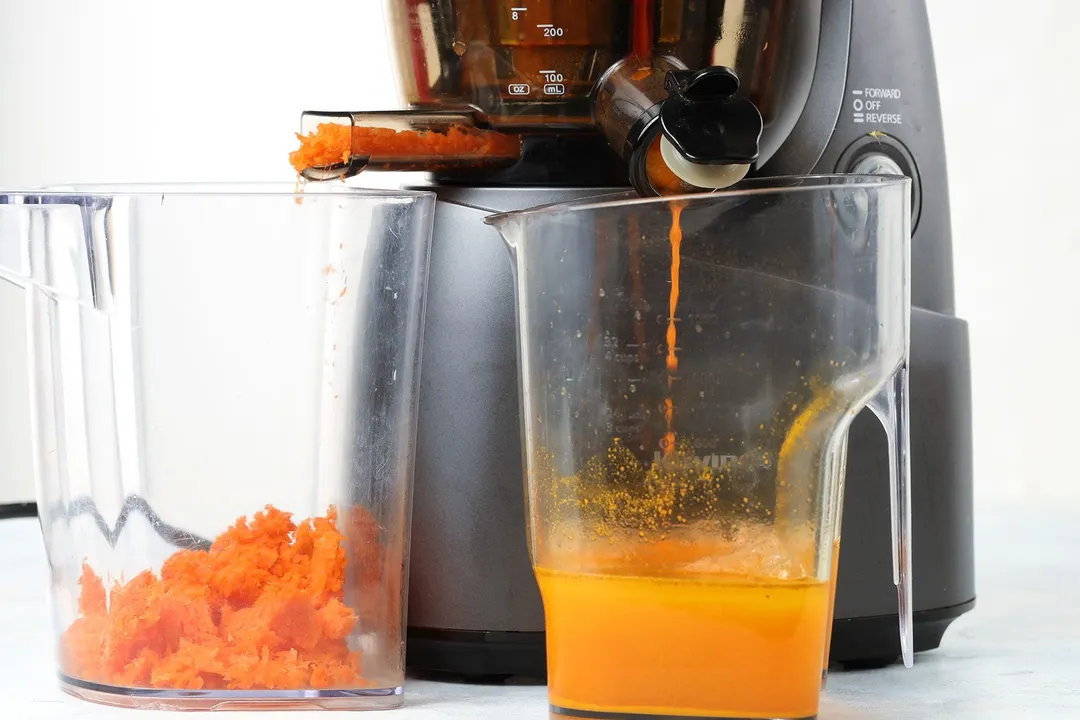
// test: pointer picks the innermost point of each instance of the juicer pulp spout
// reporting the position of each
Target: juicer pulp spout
(339, 145)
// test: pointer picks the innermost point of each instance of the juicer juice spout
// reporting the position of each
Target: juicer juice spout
(338, 145)
(710, 133)
(677, 130)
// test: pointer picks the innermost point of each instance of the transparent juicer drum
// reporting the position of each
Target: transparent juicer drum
(533, 64)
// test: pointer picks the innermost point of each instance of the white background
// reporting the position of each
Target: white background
(138, 90)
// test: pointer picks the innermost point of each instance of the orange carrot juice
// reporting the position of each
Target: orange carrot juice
(705, 646)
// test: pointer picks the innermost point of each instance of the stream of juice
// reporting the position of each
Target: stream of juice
(717, 646)
(667, 444)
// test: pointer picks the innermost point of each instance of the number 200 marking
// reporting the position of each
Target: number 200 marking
(553, 32)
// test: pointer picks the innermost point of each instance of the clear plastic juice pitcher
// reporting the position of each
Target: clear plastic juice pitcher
(690, 367)
(224, 393)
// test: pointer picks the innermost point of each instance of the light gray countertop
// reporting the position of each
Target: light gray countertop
(1017, 655)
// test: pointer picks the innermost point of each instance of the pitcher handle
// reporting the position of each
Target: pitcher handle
(890, 406)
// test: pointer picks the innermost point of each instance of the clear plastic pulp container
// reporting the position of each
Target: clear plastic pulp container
(224, 388)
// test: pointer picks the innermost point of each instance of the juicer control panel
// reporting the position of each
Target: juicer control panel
(876, 106)
(882, 103)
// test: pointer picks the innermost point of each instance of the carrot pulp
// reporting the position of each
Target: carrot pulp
(263, 608)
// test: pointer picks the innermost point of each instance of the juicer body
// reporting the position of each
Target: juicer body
(871, 106)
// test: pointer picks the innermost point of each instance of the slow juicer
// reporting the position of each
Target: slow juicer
(665, 96)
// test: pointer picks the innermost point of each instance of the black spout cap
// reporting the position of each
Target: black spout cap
(706, 120)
